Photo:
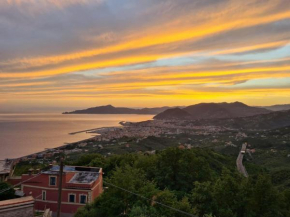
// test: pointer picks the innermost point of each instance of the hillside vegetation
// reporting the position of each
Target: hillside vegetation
(272, 120)
(200, 182)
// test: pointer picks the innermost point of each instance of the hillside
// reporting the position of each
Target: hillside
(271, 120)
(109, 109)
(213, 111)
(277, 107)
(175, 113)
(199, 182)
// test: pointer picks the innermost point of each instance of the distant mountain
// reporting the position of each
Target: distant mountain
(271, 120)
(156, 110)
(109, 109)
(277, 107)
(175, 113)
(213, 111)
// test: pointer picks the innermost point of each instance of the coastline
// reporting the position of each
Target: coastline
(56, 148)
(29, 134)
(94, 130)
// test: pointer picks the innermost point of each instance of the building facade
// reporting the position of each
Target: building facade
(80, 185)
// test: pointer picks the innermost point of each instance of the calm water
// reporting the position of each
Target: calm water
(23, 134)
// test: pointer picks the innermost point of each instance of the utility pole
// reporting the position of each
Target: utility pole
(59, 187)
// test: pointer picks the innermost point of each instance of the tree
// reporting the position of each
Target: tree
(183, 205)
(177, 169)
(85, 160)
(168, 198)
(114, 201)
(195, 181)
(9, 194)
(264, 200)
(144, 211)
(225, 192)
(286, 204)
(202, 198)
(168, 168)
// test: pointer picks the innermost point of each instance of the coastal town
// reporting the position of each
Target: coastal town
(144, 108)
(128, 135)
(144, 138)
(137, 137)
(110, 136)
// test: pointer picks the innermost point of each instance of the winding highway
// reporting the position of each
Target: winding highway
(240, 166)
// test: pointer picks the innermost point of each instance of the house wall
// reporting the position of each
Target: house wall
(37, 185)
(14, 180)
(52, 198)
(97, 189)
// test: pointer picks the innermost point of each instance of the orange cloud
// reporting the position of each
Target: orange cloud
(198, 35)
(152, 38)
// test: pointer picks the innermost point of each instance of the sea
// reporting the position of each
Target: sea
(24, 134)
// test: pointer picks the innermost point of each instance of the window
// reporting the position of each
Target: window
(83, 198)
(52, 180)
(72, 198)
(43, 195)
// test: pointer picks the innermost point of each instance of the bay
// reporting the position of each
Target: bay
(24, 134)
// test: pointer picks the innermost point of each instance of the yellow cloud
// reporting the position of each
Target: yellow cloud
(152, 38)
(210, 80)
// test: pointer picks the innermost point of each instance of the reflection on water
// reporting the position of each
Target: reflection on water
(23, 134)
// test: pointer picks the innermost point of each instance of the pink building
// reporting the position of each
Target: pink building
(80, 185)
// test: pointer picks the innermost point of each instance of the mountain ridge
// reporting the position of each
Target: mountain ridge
(213, 111)
(109, 109)
(175, 113)
(279, 107)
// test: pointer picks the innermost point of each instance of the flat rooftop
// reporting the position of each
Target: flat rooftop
(83, 175)
(75, 169)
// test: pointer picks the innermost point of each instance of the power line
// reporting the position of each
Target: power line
(152, 200)
(38, 196)
(169, 207)
(7, 189)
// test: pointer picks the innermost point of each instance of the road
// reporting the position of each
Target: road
(240, 166)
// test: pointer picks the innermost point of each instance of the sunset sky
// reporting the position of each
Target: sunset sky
(143, 53)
